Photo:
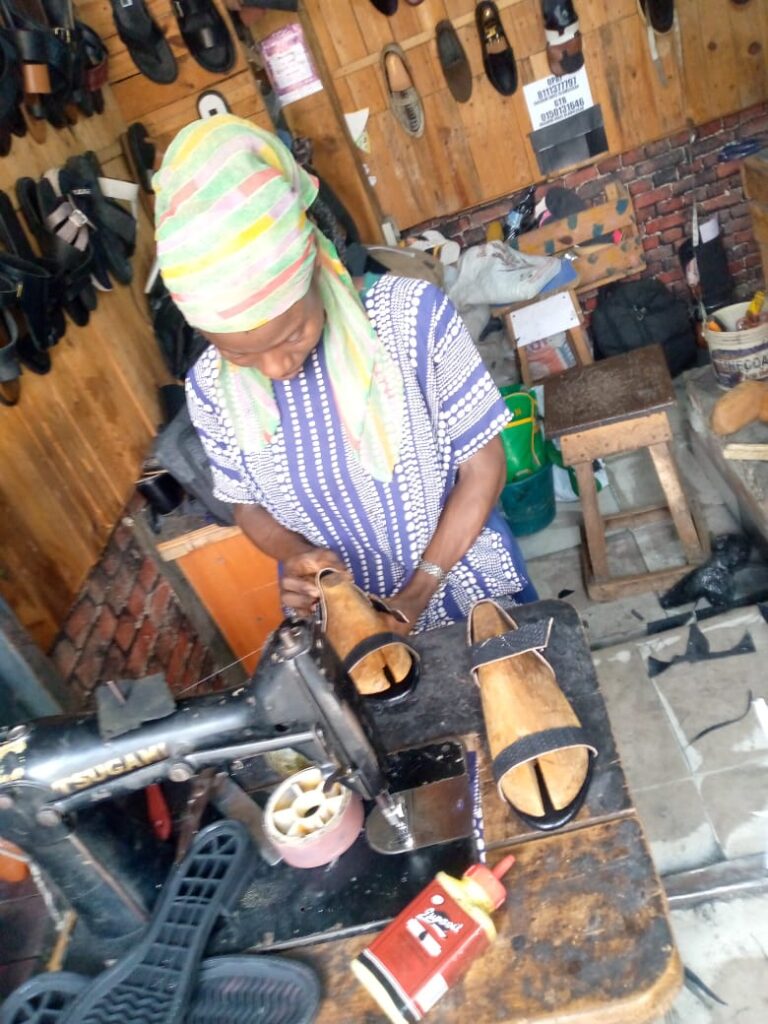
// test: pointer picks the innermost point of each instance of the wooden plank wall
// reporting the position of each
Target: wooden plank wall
(474, 152)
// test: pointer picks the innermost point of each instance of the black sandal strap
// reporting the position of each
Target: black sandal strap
(535, 745)
(374, 643)
(531, 636)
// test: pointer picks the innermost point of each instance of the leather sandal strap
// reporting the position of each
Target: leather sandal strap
(374, 643)
(531, 636)
(535, 745)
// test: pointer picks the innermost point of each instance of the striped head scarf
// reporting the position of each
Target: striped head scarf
(236, 249)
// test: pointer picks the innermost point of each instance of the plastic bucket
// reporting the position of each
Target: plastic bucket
(529, 504)
(737, 355)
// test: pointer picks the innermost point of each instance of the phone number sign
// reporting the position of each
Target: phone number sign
(556, 98)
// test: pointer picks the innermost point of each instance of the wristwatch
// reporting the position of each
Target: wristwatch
(432, 570)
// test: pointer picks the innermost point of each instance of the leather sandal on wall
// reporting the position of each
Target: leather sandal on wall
(542, 758)
(498, 56)
(404, 100)
(381, 664)
(144, 41)
(206, 35)
(564, 45)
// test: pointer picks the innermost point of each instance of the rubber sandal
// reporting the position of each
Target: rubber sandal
(153, 983)
(11, 96)
(37, 201)
(144, 41)
(206, 35)
(453, 61)
(542, 758)
(231, 989)
(47, 322)
(382, 664)
(564, 43)
(498, 56)
(404, 100)
(45, 56)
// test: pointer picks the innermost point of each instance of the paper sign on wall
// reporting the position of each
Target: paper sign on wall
(289, 64)
(554, 99)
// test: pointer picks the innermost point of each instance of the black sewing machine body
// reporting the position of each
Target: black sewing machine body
(59, 776)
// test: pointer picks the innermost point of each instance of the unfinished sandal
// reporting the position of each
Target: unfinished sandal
(235, 989)
(542, 758)
(382, 664)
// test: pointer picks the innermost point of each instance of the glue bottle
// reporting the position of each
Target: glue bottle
(430, 945)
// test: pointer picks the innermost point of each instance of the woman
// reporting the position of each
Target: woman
(352, 435)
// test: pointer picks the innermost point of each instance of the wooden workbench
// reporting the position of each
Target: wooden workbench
(584, 936)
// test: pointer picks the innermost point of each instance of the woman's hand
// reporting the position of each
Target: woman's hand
(411, 601)
(298, 589)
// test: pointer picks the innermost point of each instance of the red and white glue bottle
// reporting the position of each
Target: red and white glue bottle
(430, 945)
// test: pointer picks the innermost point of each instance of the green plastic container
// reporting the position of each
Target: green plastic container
(529, 504)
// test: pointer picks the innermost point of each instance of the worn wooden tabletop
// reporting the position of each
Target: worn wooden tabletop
(584, 936)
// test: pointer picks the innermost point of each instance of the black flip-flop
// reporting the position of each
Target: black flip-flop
(144, 41)
(235, 989)
(499, 62)
(206, 35)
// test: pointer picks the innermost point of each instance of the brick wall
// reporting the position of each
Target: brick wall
(127, 623)
(663, 178)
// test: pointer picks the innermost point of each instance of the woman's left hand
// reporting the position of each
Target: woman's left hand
(411, 601)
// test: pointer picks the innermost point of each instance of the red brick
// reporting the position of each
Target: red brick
(175, 668)
(120, 588)
(113, 666)
(166, 641)
(672, 235)
(112, 560)
(473, 237)
(668, 158)
(158, 602)
(670, 205)
(497, 211)
(193, 671)
(736, 237)
(632, 156)
(141, 649)
(721, 202)
(652, 197)
(147, 574)
(639, 186)
(64, 657)
(137, 601)
(728, 169)
(80, 621)
(576, 178)
(106, 624)
(710, 128)
(672, 220)
(609, 166)
(89, 667)
(753, 260)
(126, 631)
(671, 276)
(749, 113)
(97, 584)
(681, 138)
(653, 149)
(651, 243)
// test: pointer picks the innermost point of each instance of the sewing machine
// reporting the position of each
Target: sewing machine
(57, 774)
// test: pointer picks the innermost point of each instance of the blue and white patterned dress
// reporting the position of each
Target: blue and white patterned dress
(310, 480)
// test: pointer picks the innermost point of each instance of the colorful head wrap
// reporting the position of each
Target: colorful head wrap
(236, 249)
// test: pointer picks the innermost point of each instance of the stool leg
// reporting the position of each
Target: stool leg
(522, 356)
(580, 346)
(594, 527)
(669, 478)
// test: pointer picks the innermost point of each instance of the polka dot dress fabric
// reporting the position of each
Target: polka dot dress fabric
(311, 481)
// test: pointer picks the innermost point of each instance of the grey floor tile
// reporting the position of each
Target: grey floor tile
(736, 801)
(708, 694)
(648, 745)
(680, 834)
(724, 943)
(633, 480)
(660, 545)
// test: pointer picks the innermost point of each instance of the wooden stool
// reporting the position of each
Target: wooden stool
(619, 405)
(555, 312)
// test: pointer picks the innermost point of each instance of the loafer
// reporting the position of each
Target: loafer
(660, 14)
(453, 61)
(404, 100)
(498, 57)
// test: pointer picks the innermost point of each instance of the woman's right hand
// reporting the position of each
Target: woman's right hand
(298, 589)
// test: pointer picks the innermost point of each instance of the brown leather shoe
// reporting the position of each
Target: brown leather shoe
(404, 100)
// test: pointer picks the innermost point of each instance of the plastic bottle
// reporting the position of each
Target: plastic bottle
(519, 217)
(430, 945)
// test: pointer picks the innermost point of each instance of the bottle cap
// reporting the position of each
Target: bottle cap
(489, 880)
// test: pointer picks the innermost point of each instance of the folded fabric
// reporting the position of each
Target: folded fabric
(492, 273)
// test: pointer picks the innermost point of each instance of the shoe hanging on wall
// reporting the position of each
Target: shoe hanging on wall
(387, 7)
(404, 100)
(564, 46)
(498, 57)
(453, 61)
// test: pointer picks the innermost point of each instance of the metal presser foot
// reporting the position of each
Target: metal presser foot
(426, 815)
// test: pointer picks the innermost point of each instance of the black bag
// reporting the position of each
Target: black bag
(631, 314)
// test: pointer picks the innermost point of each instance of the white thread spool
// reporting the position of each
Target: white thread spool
(309, 825)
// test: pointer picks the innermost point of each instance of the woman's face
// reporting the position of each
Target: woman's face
(280, 347)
